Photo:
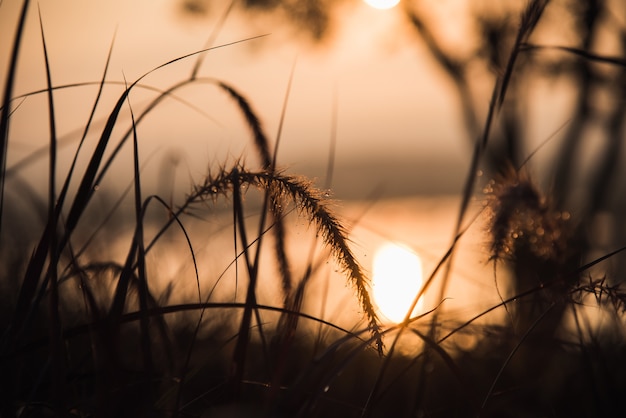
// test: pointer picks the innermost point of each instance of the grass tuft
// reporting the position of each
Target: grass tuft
(87, 333)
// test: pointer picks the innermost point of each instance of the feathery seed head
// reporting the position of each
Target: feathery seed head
(521, 216)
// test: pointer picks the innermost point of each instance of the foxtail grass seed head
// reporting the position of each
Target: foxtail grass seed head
(519, 215)
(311, 203)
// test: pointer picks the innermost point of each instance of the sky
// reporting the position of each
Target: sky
(397, 125)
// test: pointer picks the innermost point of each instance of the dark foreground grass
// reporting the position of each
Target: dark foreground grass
(83, 336)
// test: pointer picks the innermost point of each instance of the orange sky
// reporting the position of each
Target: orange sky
(394, 111)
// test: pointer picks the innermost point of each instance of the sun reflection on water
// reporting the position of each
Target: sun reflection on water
(397, 277)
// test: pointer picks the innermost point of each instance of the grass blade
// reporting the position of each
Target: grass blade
(57, 348)
(63, 193)
(211, 40)
(6, 102)
(141, 257)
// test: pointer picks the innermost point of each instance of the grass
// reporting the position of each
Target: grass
(86, 335)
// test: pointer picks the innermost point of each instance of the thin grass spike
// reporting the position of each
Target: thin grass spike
(312, 202)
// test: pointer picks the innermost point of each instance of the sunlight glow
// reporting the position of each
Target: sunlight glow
(382, 4)
(397, 277)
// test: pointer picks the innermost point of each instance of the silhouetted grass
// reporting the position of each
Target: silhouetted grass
(83, 336)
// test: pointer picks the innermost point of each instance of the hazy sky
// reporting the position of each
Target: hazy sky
(396, 119)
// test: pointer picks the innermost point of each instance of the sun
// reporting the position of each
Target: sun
(397, 278)
(382, 4)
